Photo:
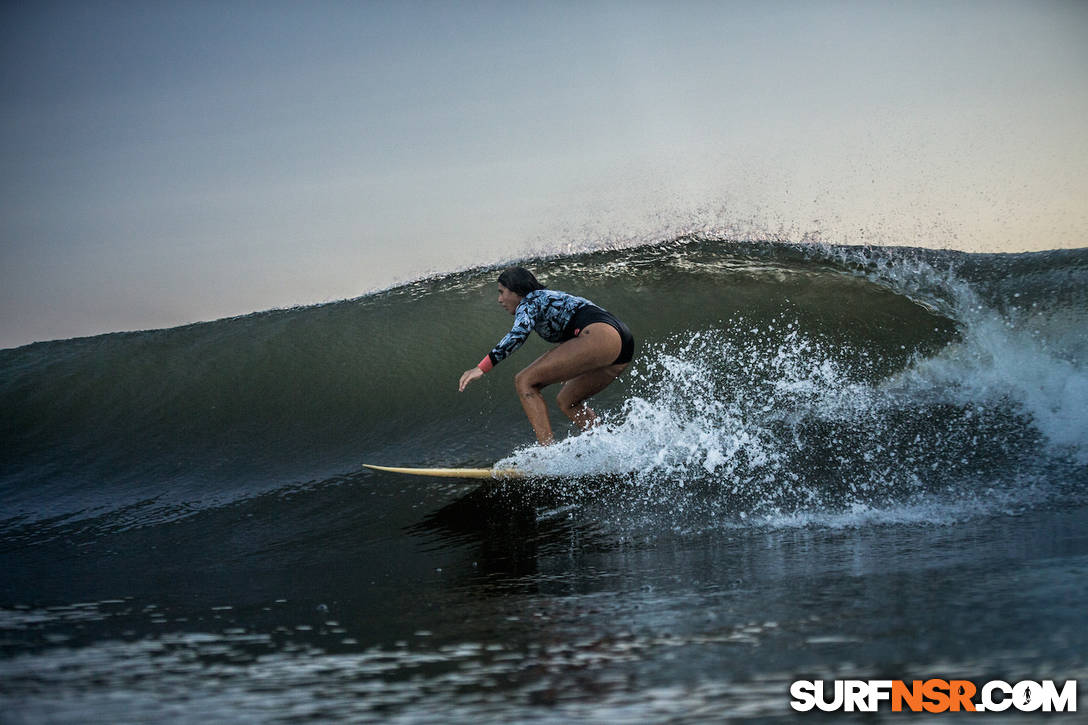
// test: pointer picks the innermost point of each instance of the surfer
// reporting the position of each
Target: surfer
(594, 348)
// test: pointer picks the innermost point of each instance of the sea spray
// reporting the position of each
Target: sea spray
(764, 422)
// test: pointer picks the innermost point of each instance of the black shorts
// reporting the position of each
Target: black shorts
(588, 314)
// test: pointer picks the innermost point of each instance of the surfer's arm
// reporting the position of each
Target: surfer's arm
(523, 325)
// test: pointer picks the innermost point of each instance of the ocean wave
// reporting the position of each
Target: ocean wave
(796, 378)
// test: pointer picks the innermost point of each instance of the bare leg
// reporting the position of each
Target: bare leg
(591, 352)
(537, 413)
(572, 398)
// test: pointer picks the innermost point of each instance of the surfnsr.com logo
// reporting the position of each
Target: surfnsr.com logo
(933, 695)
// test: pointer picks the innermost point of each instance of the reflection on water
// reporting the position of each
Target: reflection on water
(535, 612)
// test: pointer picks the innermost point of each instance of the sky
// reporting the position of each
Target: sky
(166, 163)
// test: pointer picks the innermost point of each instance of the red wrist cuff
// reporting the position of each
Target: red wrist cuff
(485, 365)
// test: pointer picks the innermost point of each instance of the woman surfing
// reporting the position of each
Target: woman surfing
(594, 348)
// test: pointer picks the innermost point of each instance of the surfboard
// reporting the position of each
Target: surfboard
(484, 473)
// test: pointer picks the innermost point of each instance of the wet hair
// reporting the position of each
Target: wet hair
(519, 281)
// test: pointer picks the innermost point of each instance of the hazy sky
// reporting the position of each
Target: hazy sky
(171, 162)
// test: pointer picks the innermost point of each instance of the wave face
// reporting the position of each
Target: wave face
(773, 383)
(186, 533)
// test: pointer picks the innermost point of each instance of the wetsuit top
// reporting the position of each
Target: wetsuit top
(548, 312)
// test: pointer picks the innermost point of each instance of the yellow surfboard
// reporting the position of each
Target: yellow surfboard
(484, 473)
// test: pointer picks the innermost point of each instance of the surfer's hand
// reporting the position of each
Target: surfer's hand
(469, 375)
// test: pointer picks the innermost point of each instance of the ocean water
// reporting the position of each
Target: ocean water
(825, 462)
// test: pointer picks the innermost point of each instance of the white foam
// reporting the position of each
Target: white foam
(738, 409)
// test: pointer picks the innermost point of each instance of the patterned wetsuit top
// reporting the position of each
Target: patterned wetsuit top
(544, 310)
